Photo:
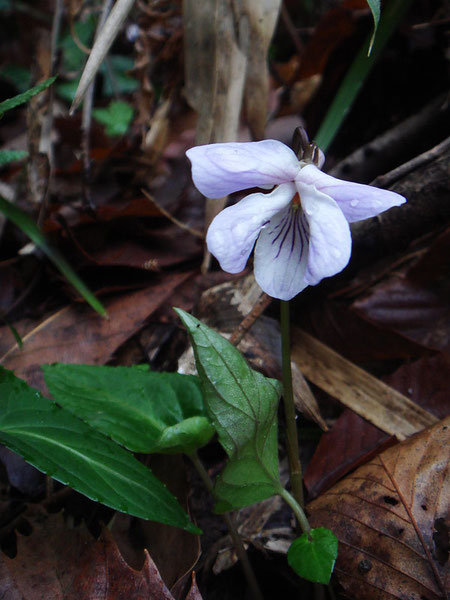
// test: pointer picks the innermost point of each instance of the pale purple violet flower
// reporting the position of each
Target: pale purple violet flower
(302, 225)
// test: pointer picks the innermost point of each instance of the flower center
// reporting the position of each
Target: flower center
(296, 202)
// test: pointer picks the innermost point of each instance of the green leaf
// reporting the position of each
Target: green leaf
(242, 404)
(115, 76)
(61, 445)
(375, 8)
(23, 221)
(143, 410)
(116, 117)
(22, 98)
(8, 156)
(358, 72)
(313, 554)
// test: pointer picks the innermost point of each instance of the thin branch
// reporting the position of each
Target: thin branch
(260, 306)
(171, 218)
(388, 179)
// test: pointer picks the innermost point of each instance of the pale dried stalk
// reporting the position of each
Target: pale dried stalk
(366, 395)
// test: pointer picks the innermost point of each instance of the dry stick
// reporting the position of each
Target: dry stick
(171, 218)
(260, 306)
(100, 48)
(86, 119)
(237, 541)
(378, 155)
(388, 179)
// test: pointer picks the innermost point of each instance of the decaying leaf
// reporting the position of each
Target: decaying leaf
(62, 564)
(173, 550)
(351, 442)
(76, 334)
(414, 302)
(391, 519)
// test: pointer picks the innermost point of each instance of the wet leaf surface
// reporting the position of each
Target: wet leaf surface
(242, 405)
(140, 409)
(66, 448)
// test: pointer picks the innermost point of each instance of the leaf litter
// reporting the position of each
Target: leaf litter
(388, 319)
(49, 565)
(388, 516)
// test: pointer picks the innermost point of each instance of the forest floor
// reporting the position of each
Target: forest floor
(370, 346)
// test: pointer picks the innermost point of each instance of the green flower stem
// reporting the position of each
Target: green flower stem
(295, 467)
(237, 541)
(298, 510)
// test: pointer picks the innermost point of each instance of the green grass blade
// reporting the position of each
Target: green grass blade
(358, 72)
(375, 8)
(24, 222)
(14, 332)
(22, 98)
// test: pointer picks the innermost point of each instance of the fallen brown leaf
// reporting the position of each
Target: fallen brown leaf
(391, 519)
(68, 564)
(77, 334)
(174, 551)
(351, 442)
(419, 311)
(425, 382)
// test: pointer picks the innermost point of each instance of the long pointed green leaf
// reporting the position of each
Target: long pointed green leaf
(63, 446)
(24, 222)
(375, 8)
(143, 410)
(22, 98)
(242, 404)
(358, 72)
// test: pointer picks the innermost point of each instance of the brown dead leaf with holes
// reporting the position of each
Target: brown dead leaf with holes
(391, 517)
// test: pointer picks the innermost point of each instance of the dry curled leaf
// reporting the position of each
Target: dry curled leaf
(391, 519)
